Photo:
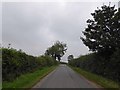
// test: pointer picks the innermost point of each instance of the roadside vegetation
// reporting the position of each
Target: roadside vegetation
(98, 65)
(29, 79)
(102, 37)
(20, 70)
(16, 63)
(101, 81)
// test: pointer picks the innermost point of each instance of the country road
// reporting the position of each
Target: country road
(64, 77)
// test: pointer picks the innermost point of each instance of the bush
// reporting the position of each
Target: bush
(97, 64)
(15, 63)
(113, 67)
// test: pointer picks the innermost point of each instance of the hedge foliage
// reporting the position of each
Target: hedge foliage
(15, 62)
(97, 64)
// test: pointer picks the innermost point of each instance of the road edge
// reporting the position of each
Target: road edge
(44, 77)
(89, 81)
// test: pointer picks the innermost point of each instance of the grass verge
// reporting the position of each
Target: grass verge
(29, 79)
(103, 82)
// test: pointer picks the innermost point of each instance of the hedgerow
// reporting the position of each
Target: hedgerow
(15, 62)
(97, 64)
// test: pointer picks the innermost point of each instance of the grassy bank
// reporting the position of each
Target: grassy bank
(103, 82)
(29, 79)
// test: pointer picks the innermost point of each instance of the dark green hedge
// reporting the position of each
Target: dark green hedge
(95, 63)
(15, 63)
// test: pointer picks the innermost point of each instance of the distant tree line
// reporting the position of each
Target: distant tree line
(15, 62)
(102, 36)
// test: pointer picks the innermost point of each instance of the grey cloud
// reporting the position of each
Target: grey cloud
(34, 27)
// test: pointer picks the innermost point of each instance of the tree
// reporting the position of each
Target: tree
(103, 31)
(70, 57)
(57, 50)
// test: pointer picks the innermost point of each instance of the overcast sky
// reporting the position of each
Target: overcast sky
(35, 26)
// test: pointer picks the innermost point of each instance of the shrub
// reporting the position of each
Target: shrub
(97, 64)
(15, 63)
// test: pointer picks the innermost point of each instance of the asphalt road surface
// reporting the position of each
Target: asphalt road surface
(64, 77)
